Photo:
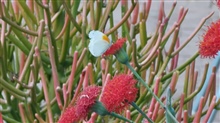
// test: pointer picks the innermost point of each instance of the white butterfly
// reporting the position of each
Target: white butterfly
(99, 43)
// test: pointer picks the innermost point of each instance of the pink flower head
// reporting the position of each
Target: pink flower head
(119, 92)
(86, 99)
(218, 3)
(114, 48)
(210, 45)
(69, 116)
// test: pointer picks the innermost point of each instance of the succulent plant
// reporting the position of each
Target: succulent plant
(62, 61)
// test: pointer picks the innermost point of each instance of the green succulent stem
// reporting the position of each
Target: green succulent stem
(149, 89)
(71, 17)
(192, 95)
(9, 120)
(100, 109)
(3, 69)
(22, 38)
(106, 15)
(120, 117)
(180, 68)
(126, 16)
(98, 13)
(142, 113)
(27, 14)
(18, 43)
(13, 24)
(12, 89)
(28, 62)
(143, 33)
(65, 45)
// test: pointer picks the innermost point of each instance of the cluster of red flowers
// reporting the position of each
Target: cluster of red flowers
(119, 92)
(69, 116)
(210, 45)
(86, 99)
(84, 102)
(115, 47)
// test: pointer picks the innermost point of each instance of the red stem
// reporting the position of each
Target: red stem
(4, 26)
(77, 89)
(92, 118)
(181, 107)
(54, 70)
(22, 62)
(156, 109)
(135, 14)
(161, 11)
(153, 102)
(30, 4)
(185, 116)
(22, 114)
(39, 118)
(15, 6)
(209, 86)
(104, 83)
(174, 61)
(176, 57)
(64, 92)
(86, 78)
(211, 107)
(173, 82)
(72, 74)
(147, 10)
(91, 75)
(198, 114)
(44, 84)
(128, 114)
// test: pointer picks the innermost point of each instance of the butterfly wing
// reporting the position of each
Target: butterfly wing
(97, 48)
(99, 43)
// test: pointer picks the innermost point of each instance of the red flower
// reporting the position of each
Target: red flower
(114, 48)
(69, 116)
(119, 92)
(218, 3)
(210, 45)
(86, 99)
